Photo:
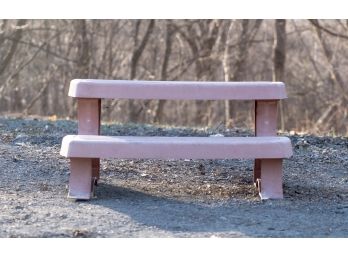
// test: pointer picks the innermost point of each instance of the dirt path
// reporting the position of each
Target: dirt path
(148, 198)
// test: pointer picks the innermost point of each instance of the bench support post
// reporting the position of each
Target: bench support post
(265, 125)
(80, 181)
(88, 115)
(271, 184)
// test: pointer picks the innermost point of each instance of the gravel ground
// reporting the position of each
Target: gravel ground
(152, 198)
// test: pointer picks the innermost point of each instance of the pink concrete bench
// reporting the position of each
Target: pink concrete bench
(85, 149)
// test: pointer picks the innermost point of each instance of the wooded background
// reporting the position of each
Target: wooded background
(38, 58)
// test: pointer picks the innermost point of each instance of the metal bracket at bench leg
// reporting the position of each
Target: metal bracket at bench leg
(88, 114)
(271, 183)
(95, 170)
(80, 181)
(257, 171)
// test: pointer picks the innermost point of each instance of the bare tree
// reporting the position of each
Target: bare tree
(6, 60)
(201, 37)
(279, 57)
(164, 69)
(83, 49)
(139, 46)
(334, 109)
(236, 71)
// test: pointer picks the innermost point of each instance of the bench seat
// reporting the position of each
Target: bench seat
(176, 90)
(126, 147)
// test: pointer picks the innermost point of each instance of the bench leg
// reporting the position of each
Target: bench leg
(88, 114)
(80, 181)
(265, 125)
(271, 183)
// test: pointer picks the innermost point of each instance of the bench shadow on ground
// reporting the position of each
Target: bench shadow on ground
(233, 218)
(165, 213)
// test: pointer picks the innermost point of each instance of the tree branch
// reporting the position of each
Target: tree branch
(335, 34)
(140, 48)
(11, 52)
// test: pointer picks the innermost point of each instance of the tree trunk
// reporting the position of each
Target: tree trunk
(248, 32)
(279, 57)
(83, 52)
(205, 65)
(16, 98)
(17, 36)
(133, 108)
(227, 66)
(83, 55)
(45, 103)
(164, 70)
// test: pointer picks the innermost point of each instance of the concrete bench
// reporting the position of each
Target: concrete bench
(86, 149)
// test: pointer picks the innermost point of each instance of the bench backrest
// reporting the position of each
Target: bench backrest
(176, 90)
